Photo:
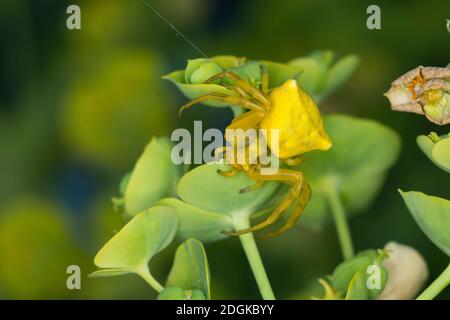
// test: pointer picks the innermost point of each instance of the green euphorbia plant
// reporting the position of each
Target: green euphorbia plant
(166, 202)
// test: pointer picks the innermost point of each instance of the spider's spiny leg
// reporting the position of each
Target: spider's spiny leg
(256, 185)
(239, 90)
(300, 207)
(248, 120)
(231, 100)
(230, 173)
(245, 85)
(282, 207)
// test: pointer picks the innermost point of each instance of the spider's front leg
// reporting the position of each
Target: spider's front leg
(223, 98)
(300, 190)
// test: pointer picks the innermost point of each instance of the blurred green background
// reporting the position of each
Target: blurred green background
(77, 108)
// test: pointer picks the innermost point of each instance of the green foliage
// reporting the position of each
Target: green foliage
(206, 203)
(320, 76)
(130, 250)
(351, 276)
(191, 81)
(190, 269)
(205, 188)
(316, 73)
(432, 214)
(437, 149)
(194, 90)
(199, 70)
(153, 177)
(355, 167)
(181, 294)
(202, 224)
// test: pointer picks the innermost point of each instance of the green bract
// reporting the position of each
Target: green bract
(190, 269)
(153, 177)
(437, 149)
(130, 250)
(181, 294)
(351, 276)
(202, 224)
(203, 187)
(320, 76)
(432, 214)
(354, 168)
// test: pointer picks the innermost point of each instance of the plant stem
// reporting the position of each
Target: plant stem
(256, 264)
(341, 223)
(146, 275)
(437, 286)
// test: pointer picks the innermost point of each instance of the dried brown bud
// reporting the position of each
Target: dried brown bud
(423, 90)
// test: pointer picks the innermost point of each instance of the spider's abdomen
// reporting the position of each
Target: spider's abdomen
(298, 119)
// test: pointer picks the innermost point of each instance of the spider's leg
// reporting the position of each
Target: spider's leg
(237, 135)
(302, 202)
(283, 175)
(248, 120)
(256, 185)
(245, 85)
(264, 80)
(294, 160)
(239, 90)
(230, 173)
(231, 100)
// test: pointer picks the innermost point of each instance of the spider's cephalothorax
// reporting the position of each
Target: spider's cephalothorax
(295, 116)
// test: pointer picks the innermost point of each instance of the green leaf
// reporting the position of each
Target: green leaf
(250, 71)
(180, 294)
(198, 223)
(432, 214)
(355, 167)
(357, 289)
(154, 177)
(314, 68)
(109, 273)
(204, 188)
(340, 73)
(320, 77)
(279, 73)
(124, 183)
(190, 269)
(140, 239)
(441, 153)
(437, 151)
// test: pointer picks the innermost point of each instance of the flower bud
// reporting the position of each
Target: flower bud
(351, 277)
(407, 271)
(200, 70)
(423, 90)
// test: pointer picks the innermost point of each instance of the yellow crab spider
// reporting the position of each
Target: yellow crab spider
(295, 115)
